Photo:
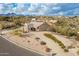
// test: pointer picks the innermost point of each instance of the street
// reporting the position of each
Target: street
(9, 49)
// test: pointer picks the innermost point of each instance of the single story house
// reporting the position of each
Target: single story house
(38, 25)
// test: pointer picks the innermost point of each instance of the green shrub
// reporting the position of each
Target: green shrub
(66, 50)
(72, 33)
(17, 32)
(55, 39)
(53, 54)
(1, 26)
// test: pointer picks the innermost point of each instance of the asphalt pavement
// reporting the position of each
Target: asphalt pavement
(9, 49)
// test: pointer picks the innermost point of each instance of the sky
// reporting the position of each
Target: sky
(43, 9)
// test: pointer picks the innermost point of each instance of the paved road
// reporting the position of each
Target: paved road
(9, 49)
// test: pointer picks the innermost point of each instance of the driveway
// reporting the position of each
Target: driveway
(54, 46)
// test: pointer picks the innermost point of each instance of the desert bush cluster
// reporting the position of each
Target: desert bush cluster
(12, 21)
(17, 32)
(56, 40)
(65, 25)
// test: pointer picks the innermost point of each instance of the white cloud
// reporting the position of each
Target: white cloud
(37, 9)
(50, 4)
(59, 13)
(56, 8)
(1, 6)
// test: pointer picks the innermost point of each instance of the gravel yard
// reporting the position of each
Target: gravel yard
(33, 41)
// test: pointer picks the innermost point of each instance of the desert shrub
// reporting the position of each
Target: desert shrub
(77, 38)
(17, 32)
(6, 25)
(47, 49)
(66, 50)
(54, 28)
(53, 54)
(78, 52)
(50, 36)
(28, 41)
(37, 38)
(71, 33)
(66, 26)
(62, 45)
(43, 43)
(71, 46)
(55, 40)
(1, 26)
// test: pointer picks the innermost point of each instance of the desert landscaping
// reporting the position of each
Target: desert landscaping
(42, 36)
